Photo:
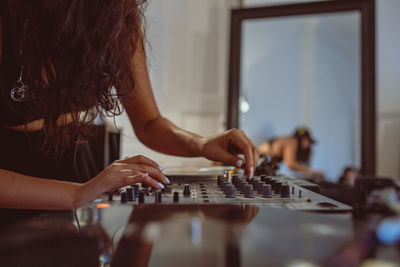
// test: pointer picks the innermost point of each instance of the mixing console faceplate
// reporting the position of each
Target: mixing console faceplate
(272, 191)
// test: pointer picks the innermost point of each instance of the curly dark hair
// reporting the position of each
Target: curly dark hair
(77, 58)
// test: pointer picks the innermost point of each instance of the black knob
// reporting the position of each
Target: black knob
(176, 196)
(229, 191)
(136, 189)
(285, 191)
(248, 191)
(268, 180)
(110, 196)
(300, 193)
(260, 187)
(141, 196)
(123, 197)
(239, 182)
(235, 178)
(241, 185)
(223, 184)
(263, 177)
(292, 189)
(130, 194)
(277, 187)
(186, 190)
(267, 191)
(220, 177)
(158, 198)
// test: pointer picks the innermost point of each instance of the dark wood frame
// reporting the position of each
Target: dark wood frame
(367, 10)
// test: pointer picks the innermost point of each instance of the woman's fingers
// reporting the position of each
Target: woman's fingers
(154, 173)
(239, 140)
(141, 160)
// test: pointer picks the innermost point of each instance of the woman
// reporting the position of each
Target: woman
(294, 151)
(62, 63)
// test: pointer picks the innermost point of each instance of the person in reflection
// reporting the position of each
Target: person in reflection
(348, 177)
(294, 151)
(64, 63)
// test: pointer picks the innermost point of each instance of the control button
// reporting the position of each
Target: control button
(285, 191)
(141, 196)
(268, 180)
(158, 198)
(136, 189)
(267, 191)
(277, 187)
(130, 194)
(110, 196)
(176, 196)
(229, 191)
(186, 190)
(242, 185)
(248, 191)
(260, 187)
(123, 197)
(239, 182)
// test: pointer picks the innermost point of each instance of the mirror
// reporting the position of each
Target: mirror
(306, 65)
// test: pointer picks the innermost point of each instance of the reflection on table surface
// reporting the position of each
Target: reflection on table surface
(172, 235)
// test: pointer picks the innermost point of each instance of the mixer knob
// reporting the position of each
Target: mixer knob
(136, 189)
(248, 191)
(277, 187)
(186, 190)
(267, 191)
(223, 184)
(229, 191)
(130, 194)
(176, 196)
(242, 185)
(235, 178)
(141, 196)
(300, 193)
(110, 196)
(158, 197)
(260, 187)
(123, 197)
(292, 189)
(263, 177)
(285, 191)
(239, 182)
(268, 180)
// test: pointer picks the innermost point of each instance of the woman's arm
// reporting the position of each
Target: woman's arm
(19, 191)
(160, 134)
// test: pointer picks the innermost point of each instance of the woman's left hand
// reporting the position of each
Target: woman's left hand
(227, 146)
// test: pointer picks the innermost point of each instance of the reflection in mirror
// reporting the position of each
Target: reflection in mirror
(304, 71)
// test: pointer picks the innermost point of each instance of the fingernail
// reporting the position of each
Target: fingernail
(251, 172)
(161, 186)
(161, 169)
(144, 175)
(168, 181)
(239, 163)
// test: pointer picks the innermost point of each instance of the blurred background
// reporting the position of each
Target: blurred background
(188, 55)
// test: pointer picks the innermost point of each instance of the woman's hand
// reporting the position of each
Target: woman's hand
(225, 147)
(120, 173)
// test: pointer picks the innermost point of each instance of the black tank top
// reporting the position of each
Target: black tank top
(11, 112)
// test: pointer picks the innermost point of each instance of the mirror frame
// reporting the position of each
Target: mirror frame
(367, 14)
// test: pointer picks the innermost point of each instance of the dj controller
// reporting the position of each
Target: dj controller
(271, 191)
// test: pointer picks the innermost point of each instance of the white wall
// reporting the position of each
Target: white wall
(388, 88)
(188, 57)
